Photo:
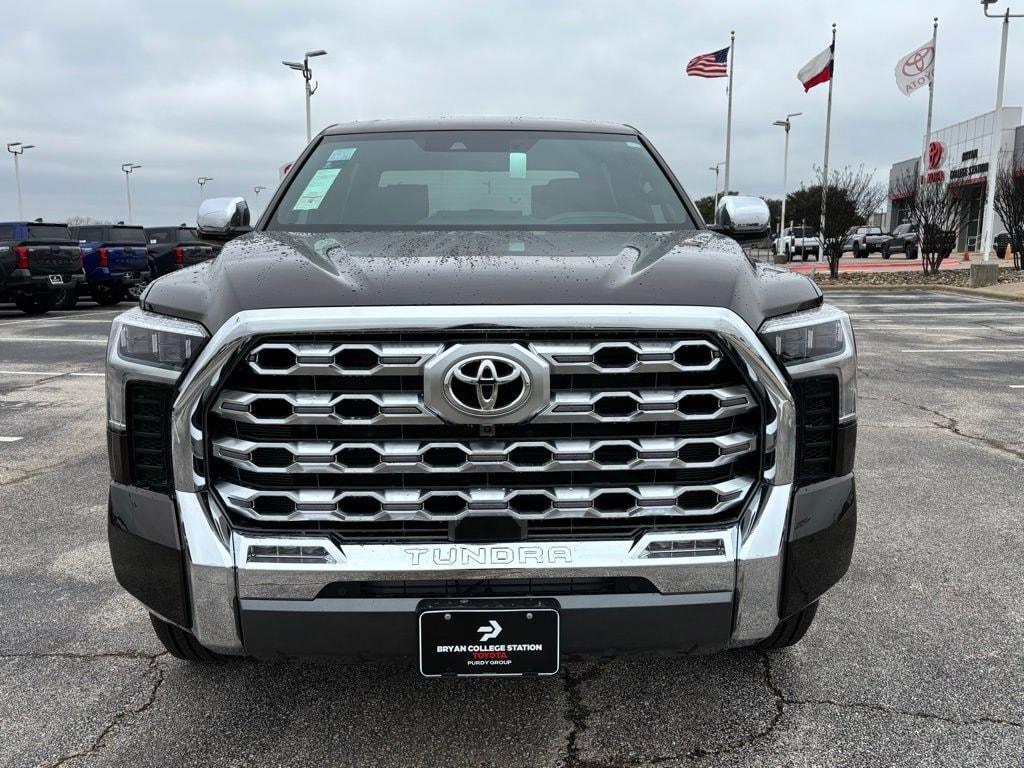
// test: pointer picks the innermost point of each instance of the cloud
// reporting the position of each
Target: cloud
(190, 89)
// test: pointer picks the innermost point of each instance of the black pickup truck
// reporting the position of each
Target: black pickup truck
(39, 264)
(482, 393)
(904, 239)
(172, 248)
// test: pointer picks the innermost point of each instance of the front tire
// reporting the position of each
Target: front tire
(790, 631)
(911, 252)
(34, 305)
(181, 644)
(886, 253)
(107, 297)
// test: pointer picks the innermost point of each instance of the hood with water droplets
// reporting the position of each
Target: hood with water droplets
(265, 270)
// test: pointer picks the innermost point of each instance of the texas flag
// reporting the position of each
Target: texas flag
(816, 71)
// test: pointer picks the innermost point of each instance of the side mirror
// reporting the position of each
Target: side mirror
(742, 218)
(223, 218)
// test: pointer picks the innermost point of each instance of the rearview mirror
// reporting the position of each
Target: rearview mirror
(223, 218)
(742, 218)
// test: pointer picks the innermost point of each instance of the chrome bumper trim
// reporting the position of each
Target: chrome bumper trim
(747, 562)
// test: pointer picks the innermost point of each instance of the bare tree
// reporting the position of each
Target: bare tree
(1009, 204)
(939, 210)
(78, 221)
(851, 196)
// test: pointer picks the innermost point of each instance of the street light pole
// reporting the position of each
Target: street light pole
(988, 225)
(785, 167)
(128, 168)
(17, 148)
(715, 168)
(256, 194)
(201, 181)
(311, 86)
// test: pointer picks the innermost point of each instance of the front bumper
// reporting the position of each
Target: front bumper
(178, 556)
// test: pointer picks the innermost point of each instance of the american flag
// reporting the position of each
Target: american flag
(709, 64)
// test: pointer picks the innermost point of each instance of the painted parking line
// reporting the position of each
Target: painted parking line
(6, 439)
(1017, 386)
(59, 339)
(48, 373)
(942, 350)
(90, 318)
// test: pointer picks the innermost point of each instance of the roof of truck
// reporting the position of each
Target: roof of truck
(479, 124)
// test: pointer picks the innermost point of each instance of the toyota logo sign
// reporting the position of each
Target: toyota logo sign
(919, 61)
(487, 385)
(936, 151)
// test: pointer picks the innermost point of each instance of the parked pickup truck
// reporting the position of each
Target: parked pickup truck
(481, 392)
(38, 262)
(172, 248)
(116, 262)
(905, 240)
(863, 241)
(799, 241)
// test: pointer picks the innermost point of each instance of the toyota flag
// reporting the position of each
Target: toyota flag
(916, 69)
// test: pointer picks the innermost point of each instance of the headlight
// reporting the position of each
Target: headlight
(150, 347)
(819, 341)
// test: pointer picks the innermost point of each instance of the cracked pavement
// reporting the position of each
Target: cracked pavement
(916, 658)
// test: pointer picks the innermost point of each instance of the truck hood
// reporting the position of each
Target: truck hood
(265, 270)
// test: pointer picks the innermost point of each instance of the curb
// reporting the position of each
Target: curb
(956, 289)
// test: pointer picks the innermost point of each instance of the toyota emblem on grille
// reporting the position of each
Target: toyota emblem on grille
(487, 385)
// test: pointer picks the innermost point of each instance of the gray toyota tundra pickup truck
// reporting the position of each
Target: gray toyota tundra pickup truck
(482, 393)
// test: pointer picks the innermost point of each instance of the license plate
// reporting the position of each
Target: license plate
(487, 643)
(57, 279)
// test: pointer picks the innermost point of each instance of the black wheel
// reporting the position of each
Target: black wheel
(856, 251)
(911, 252)
(789, 256)
(790, 631)
(181, 644)
(885, 252)
(803, 256)
(107, 297)
(34, 305)
(66, 299)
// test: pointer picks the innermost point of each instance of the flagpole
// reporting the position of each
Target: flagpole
(728, 119)
(828, 130)
(931, 97)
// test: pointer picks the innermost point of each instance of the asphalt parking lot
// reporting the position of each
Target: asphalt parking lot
(916, 658)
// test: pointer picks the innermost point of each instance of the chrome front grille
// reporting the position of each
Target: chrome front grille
(320, 431)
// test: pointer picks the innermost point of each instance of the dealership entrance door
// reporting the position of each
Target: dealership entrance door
(970, 232)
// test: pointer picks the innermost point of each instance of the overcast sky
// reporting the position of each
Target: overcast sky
(189, 89)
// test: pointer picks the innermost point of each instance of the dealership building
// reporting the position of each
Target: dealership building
(959, 155)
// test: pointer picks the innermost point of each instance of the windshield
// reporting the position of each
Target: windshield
(188, 236)
(480, 180)
(48, 232)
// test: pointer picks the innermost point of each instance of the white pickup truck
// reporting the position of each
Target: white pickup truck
(802, 241)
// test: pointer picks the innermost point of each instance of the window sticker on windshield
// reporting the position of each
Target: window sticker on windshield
(316, 190)
(340, 155)
(517, 165)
